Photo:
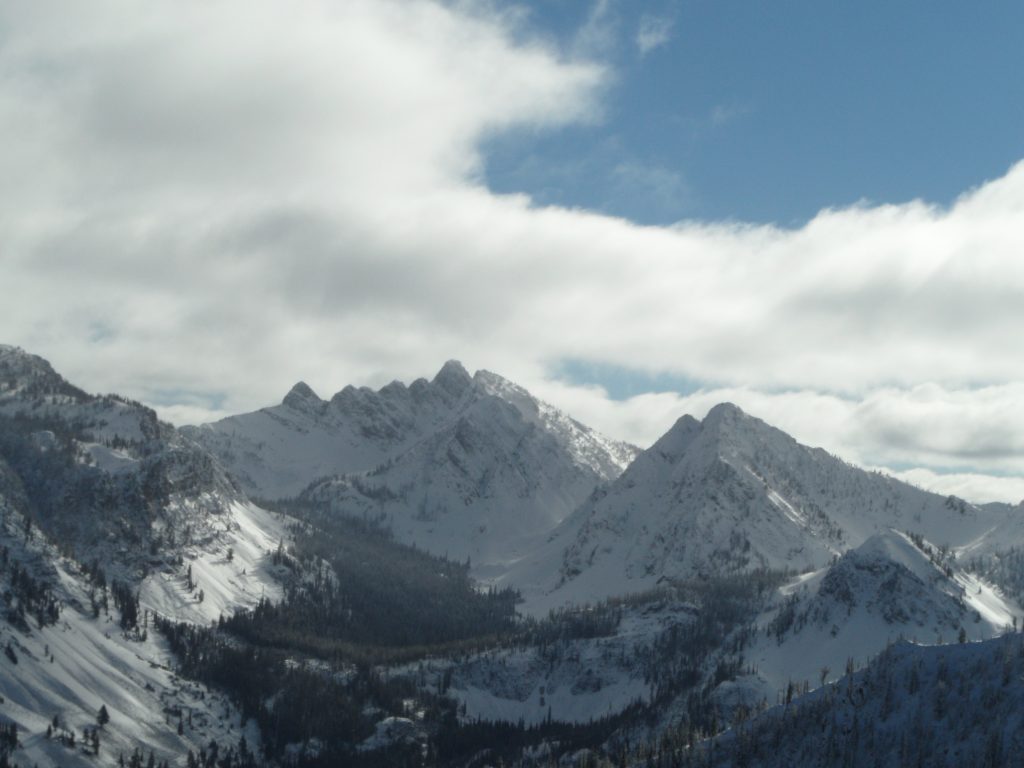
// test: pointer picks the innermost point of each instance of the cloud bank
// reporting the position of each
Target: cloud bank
(206, 201)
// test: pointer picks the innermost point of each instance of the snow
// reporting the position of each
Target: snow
(390, 731)
(730, 494)
(577, 681)
(475, 467)
(252, 535)
(85, 661)
(71, 669)
(884, 591)
(109, 460)
(988, 601)
(464, 466)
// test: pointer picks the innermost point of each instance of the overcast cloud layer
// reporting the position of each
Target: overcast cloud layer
(202, 202)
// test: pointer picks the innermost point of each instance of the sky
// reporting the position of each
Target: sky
(636, 210)
(766, 111)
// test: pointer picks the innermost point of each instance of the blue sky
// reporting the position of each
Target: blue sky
(769, 111)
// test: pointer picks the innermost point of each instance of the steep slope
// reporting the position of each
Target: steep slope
(775, 636)
(483, 487)
(107, 518)
(64, 660)
(732, 494)
(890, 588)
(465, 466)
(102, 476)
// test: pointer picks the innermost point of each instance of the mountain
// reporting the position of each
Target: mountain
(109, 518)
(277, 451)
(891, 587)
(731, 494)
(468, 466)
(101, 474)
(722, 569)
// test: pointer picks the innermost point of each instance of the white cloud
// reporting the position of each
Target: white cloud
(653, 32)
(978, 488)
(228, 196)
(659, 187)
(924, 426)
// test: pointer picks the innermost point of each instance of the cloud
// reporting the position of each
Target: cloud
(660, 188)
(926, 425)
(230, 196)
(598, 36)
(976, 487)
(653, 32)
(891, 429)
(723, 114)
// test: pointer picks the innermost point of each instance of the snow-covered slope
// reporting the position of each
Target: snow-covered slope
(31, 391)
(731, 494)
(229, 570)
(464, 466)
(103, 476)
(889, 588)
(96, 496)
(78, 659)
(486, 486)
(277, 451)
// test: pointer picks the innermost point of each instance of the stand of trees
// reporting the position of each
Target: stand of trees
(356, 594)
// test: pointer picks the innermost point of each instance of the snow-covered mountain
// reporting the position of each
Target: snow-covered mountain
(101, 474)
(467, 466)
(108, 518)
(889, 588)
(732, 494)
(277, 451)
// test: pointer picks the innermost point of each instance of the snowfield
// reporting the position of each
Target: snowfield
(228, 582)
(67, 671)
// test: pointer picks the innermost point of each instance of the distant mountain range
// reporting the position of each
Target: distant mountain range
(731, 494)
(742, 563)
(467, 466)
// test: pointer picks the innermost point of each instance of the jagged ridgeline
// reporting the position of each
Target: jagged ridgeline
(461, 465)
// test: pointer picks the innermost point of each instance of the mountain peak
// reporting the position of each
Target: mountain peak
(724, 413)
(301, 395)
(16, 357)
(728, 427)
(453, 378)
(21, 371)
(673, 444)
(890, 545)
